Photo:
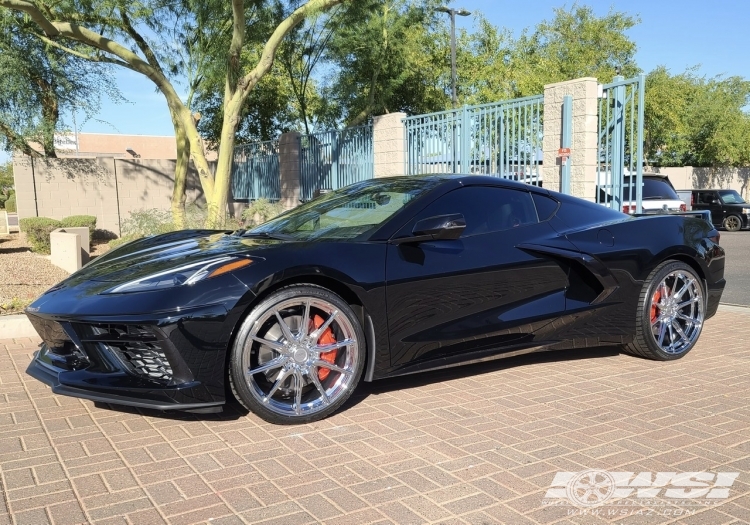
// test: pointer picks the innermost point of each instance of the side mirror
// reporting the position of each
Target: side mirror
(440, 227)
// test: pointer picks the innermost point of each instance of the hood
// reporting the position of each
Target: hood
(164, 252)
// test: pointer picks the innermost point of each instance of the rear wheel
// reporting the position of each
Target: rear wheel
(733, 223)
(670, 313)
(298, 355)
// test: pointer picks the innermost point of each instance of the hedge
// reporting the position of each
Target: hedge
(80, 221)
(10, 204)
(37, 231)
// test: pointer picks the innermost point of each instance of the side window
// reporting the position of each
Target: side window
(486, 209)
(545, 206)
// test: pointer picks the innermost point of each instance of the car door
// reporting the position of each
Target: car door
(479, 292)
(709, 200)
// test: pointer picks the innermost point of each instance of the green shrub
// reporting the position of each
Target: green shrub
(260, 211)
(147, 222)
(37, 231)
(143, 223)
(114, 243)
(10, 204)
(81, 221)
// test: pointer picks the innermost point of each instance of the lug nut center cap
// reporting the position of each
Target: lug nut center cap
(300, 355)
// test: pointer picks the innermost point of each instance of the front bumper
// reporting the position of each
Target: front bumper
(62, 383)
(163, 362)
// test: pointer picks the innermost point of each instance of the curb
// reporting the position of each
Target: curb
(15, 326)
(734, 308)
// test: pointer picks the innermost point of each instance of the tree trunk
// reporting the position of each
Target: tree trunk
(217, 207)
(180, 177)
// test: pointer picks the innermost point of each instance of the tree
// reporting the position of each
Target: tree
(384, 59)
(666, 130)
(39, 84)
(140, 36)
(493, 65)
(692, 120)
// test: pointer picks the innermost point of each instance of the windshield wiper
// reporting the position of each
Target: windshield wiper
(655, 197)
(265, 235)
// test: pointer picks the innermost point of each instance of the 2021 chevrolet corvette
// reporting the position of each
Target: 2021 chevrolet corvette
(378, 279)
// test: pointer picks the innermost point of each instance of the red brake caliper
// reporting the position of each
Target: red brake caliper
(326, 338)
(655, 309)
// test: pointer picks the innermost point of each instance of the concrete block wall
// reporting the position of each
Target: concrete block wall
(108, 188)
(584, 148)
(688, 177)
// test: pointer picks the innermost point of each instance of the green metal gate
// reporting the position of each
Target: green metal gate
(255, 171)
(502, 139)
(620, 163)
(333, 159)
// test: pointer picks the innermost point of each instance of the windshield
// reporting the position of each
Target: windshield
(352, 212)
(731, 197)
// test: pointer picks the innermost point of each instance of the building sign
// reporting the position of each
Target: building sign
(65, 141)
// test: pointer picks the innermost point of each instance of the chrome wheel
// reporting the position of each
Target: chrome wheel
(676, 312)
(301, 356)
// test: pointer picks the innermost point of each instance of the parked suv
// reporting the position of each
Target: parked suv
(727, 208)
(658, 196)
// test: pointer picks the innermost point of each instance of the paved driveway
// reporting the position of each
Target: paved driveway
(476, 445)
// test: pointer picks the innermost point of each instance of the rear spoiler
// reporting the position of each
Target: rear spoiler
(698, 214)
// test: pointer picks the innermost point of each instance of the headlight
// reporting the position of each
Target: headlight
(746, 211)
(182, 276)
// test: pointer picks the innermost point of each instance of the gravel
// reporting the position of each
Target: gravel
(25, 275)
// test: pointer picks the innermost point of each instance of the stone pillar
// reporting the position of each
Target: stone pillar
(585, 143)
(23, 180)
(389, 145)
(289, 169)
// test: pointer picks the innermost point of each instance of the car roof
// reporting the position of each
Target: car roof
(659, 175)
(460, 179)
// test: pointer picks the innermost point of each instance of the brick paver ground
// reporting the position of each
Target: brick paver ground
(476, 445)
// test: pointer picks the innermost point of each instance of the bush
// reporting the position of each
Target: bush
(10, 204)
(260, 211)
(114, 243)
(147, 222)
(143, 223)
(80, 221)
(37, 230)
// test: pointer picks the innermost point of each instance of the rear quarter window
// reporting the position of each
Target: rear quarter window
(545, 206)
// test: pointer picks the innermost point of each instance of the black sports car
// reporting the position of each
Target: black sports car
(378, 279)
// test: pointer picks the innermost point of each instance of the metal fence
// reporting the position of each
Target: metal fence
(255, 171)
(502, 139)
(333, 159)
(620, 166)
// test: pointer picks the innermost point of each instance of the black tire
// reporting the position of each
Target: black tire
(656, 317)
(732, 223)
(299, 387)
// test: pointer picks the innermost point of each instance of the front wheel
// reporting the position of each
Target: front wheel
(298, 355)
(733, 223)
(670, 313)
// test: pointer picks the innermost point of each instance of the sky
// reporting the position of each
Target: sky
(675, 33)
